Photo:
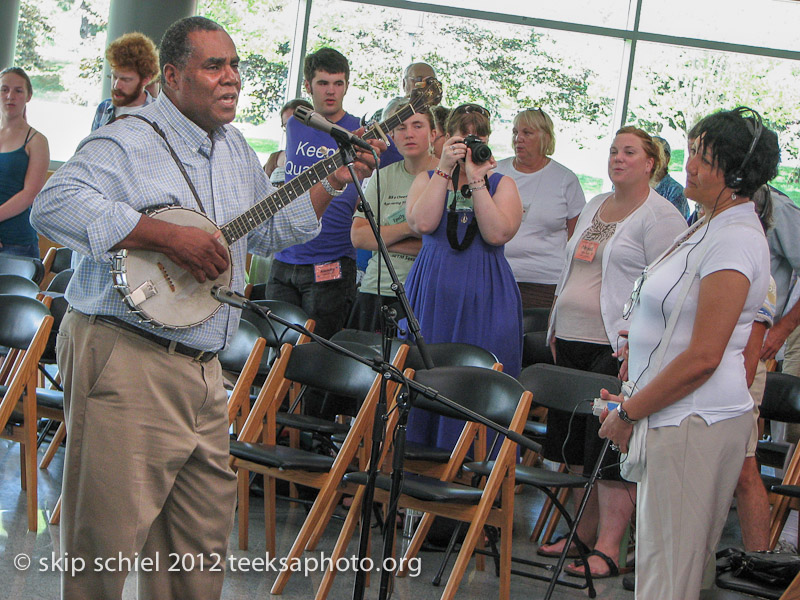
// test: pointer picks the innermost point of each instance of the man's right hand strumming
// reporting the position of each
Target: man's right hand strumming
(191, 248)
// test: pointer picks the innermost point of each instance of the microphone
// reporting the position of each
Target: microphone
(226, 295)
(340, 134)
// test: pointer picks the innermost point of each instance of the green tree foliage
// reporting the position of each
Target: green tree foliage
(261, 30)
(501, 66)
(265, 80)
(689, 84)
(33, 32)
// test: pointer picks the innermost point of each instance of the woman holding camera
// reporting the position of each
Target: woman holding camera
(690, 381)
(552, 199)
(616, 236)
(461, 287)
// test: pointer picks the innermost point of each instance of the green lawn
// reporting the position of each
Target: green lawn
(263, 146)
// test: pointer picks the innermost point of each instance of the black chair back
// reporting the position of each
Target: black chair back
(18, 285)
(272, 331)
(491, 394)
(315, 365)
(535, 349)
(58, 308)
(535, 319)
(58, 284)
(62, 261)
(781, 398)
(234, 357)
(452, 354)
(30, 268)
(370, 339)
(20, 318)
(568, 390)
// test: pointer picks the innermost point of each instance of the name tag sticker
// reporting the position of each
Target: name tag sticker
(329, 271)
(586, 250)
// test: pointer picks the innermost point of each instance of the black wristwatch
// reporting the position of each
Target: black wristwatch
(624, 415)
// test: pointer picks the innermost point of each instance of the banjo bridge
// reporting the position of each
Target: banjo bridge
(168, 279)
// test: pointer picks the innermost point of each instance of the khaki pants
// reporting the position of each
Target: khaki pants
(146, 472)
(683, 503)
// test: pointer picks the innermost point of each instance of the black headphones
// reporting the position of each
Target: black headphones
(735, 178)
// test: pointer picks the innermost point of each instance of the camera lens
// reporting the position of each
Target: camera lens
(480, 151)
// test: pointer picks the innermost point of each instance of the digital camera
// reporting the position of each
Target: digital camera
(480, 151)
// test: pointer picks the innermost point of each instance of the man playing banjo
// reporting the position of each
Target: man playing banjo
(146, 473)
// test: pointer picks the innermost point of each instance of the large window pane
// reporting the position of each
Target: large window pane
(61, 44)
(674, 87)
(767, 23)
(574, 77)
(263, 32)
(610, 13)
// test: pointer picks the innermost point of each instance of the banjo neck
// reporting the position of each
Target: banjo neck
(296, 187)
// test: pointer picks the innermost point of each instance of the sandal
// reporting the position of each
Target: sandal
(577, 569)
(571, 553)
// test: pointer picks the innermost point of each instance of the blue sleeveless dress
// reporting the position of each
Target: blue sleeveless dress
(468, 296)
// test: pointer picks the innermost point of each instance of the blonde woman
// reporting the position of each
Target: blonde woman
(552, 199)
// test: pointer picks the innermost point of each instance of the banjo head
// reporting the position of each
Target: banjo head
(160, 292)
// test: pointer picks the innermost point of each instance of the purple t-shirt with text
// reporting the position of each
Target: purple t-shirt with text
(305, 147)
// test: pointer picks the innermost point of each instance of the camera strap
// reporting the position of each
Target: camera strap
(452, 217)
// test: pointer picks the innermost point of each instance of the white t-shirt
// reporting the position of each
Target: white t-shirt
(735, 241)
(549, 197)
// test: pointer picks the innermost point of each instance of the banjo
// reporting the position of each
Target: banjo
(164, 295)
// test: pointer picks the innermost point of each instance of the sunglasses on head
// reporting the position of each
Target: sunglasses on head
(471, 108)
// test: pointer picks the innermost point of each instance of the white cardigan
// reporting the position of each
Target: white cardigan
(637, 241)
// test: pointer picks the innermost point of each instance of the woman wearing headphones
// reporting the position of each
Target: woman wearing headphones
(693, 309)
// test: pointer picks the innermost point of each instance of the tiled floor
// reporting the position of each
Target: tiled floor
(32, 583)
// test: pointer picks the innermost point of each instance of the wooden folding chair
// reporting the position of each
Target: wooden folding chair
(24, 325)
(306, 364)
(494, 395)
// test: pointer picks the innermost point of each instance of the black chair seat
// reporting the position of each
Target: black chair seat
(281, 457)
(50, 398)
(309, 423)
(728, 581)
(15, 420)
(787, 490)
(416, 451)
(44, 397)
(423, 488)
(534, 476)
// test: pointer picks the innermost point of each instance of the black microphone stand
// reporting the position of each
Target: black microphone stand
(389, 373)
(378, 428)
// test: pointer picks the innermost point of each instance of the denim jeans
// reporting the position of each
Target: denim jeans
(328, 302)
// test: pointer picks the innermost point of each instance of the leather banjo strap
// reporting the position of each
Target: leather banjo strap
(178, 162)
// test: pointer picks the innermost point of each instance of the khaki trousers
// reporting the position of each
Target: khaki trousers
(683, 503)
(146, 477)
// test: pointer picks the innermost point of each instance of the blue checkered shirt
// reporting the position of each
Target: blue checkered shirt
(94, 201)
(106, 111)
